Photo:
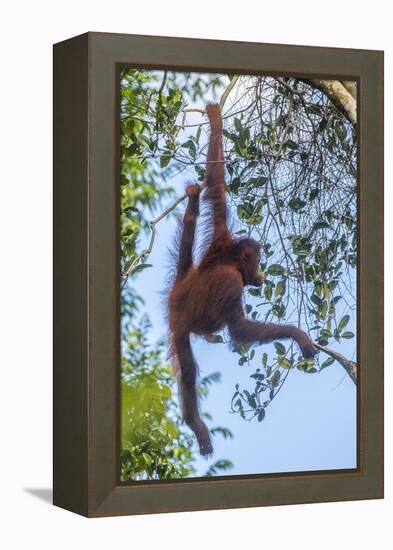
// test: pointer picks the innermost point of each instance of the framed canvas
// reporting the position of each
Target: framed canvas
(216, 204)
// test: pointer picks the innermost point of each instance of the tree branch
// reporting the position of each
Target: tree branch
(350, 86)
(339, 95)
(145, 253)
(223, 99)
(193, 110)
(350, 367)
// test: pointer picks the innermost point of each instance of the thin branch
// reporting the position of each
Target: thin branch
(145, 253)
(159, 99)
(278, 157)
(177, 159)
(228, 90)
(194, 110)
(223, 99)
(349, 366)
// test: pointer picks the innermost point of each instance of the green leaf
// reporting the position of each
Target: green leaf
(317, 301)
(291, 144)
(280, 348)
(200, 172)
(280, 289)
(309, 364)
(314, 109)
(238, 125)
(284, 363)
(297, 204)
(302, 252)
(347, 335)
(147, 458)
(276, 270)
(304, 156)
(275, 378)
(190, 145)
(165, 159)
(250, 213)
(321, 225)
(323, 309)
(343, 323)
(132, 149)
(325, 291)
(327, 363)
(301, 364)
(141, 266)
(254, 291)
(268, 292)
(257, 182)
(225, 432)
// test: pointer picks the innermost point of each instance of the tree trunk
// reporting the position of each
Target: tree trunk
(343, 96)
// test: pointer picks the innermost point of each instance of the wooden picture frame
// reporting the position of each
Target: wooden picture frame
(86, 275)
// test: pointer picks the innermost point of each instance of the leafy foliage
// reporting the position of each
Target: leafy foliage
(294, 169)
(154, 446)
(154, 442)
(139, 189)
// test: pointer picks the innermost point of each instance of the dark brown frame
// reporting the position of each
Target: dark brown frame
(86, 282)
